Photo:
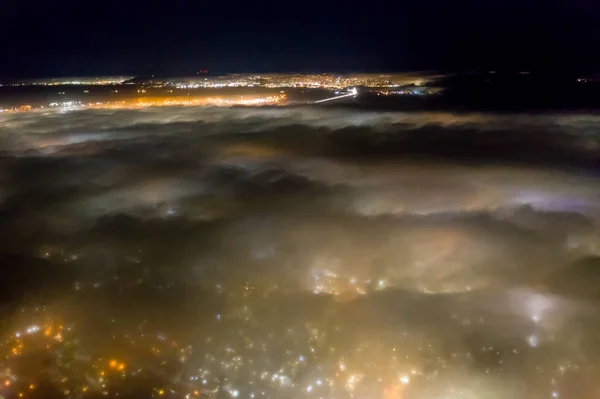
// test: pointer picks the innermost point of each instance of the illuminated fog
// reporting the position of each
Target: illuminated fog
(300, 253)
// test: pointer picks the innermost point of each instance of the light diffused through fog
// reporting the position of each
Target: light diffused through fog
(299, 253)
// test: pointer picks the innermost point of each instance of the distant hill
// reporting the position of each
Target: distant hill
(146, 80)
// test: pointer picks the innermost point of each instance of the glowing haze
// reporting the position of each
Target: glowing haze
(299, 252)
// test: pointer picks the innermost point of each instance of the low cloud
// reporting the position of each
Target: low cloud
(434, 253)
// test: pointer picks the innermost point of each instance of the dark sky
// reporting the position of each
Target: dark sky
(68, 37)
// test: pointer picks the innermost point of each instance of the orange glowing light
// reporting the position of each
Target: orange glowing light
(394, 391)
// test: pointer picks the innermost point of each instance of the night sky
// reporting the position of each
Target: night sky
(68, 37)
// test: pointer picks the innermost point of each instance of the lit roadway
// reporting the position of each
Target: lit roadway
(353, 93)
